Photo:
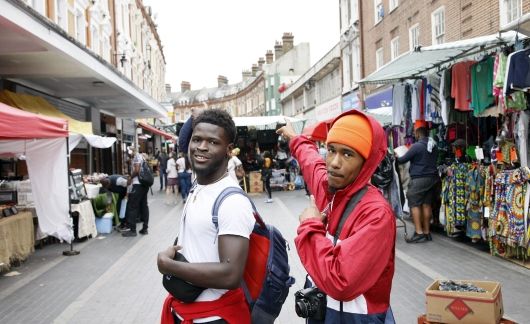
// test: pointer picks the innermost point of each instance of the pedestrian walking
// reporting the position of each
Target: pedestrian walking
(137, 208)
(162, 168)
(266, 174)
(347, 252)
(184, 176)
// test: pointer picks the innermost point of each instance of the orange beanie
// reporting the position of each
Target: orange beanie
(419, 124)
(354, 131)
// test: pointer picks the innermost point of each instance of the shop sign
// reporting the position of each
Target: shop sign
(379, 99)
(350, 101)
(329, 109)
(128, 127)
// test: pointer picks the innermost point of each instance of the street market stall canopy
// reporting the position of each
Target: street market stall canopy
(318, 131)
(414, 64)
(157, 131)
(41, 142)
(38, 105)
(268, 122)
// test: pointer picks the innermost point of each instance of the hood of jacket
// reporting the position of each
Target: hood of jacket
(377, 153)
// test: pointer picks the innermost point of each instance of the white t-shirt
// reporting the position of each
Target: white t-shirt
(198, 235)
(233, 163)
(181, 165)
(172, 168)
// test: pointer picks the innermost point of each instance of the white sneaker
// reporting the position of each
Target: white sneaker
(268, 200)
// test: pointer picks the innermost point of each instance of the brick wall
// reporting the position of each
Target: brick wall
(463, 19)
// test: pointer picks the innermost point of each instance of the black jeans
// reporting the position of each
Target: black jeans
(137, 207)
(267, 182)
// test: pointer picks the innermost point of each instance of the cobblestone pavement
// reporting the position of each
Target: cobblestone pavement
(115, 279)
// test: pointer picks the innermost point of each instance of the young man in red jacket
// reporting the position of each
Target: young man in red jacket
(355, 273)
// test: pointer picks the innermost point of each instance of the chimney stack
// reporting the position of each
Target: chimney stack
(288, 40)
(278, 50)
(185, 86)
(246, 74)
(221, 81)
(269, 57)
(261, 61)
(254, 69)
(168, 88)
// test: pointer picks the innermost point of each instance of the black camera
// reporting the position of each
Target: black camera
(310, 303)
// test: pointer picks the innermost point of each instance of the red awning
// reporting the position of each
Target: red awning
(19, 124)
(153, 130)
(318, 131)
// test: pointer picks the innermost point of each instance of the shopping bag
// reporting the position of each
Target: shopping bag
(123, 207)
(442, 218)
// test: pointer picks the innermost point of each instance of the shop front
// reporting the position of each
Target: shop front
(480, 127)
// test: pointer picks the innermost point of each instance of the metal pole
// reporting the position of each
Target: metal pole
(70, 252)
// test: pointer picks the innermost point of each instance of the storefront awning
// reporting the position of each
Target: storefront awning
(153, 130)
(414, 64)
(39, 54)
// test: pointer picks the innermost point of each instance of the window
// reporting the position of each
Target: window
(394, 48)
(392, 4)
(80, 27)
(510, 10)
(379, 58)
(414, 37)
(438, 25)
(379, 10)
(61, 14)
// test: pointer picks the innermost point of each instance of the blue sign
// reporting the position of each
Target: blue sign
(379, 99)
(350, 101)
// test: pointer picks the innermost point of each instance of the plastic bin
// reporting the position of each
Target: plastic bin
(104, 223)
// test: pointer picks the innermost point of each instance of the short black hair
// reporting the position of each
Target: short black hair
(219, 118)
(422, 131)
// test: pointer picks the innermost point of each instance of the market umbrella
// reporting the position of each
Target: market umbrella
(318, 131)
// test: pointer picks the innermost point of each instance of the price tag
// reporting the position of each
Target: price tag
(479, 153)
(486, 212)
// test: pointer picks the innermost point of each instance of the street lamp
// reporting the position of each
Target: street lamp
(123, 59)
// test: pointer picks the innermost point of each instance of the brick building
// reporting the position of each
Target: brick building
(390, 28)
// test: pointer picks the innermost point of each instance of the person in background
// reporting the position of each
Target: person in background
(216, 259)
(424, 180)
(184, 176)
(116, 183)
(235, 166)
(266, 174)
(354, 268)
(172, 173)
(162, 168)
(137, 207)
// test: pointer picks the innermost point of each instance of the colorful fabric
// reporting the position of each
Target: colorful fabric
(474, 192)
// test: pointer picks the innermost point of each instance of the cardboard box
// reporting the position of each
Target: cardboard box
(465, 307)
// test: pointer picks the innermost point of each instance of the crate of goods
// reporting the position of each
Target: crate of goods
(483, 306)
(104, 223)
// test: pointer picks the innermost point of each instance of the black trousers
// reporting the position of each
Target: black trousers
(163, 178)
(137, 207)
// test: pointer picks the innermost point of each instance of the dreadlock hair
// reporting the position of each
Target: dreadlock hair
(218, 117)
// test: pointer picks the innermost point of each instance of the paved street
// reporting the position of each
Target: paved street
(115, 279)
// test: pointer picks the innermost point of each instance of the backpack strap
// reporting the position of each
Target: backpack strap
(225, 194)
(347, 211)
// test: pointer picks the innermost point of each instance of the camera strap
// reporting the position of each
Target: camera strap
(347, 211)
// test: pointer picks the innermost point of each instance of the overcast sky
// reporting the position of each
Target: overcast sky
(206, 38)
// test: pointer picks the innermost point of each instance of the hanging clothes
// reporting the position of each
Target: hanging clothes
(454, 197)
(521, 131)
(481, 89)
(433, 104)
(517, 72)
(461, 83)
(474, 192)
(507, 222)
(398, 103)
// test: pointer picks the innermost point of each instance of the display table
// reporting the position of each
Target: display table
(17, 238)
(87, 220)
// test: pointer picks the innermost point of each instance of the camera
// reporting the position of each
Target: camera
(310, 303)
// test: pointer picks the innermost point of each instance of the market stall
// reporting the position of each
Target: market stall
(478, 115)
(41, 141)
